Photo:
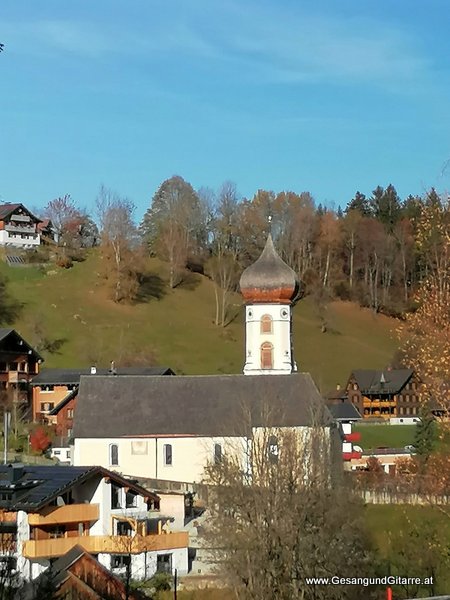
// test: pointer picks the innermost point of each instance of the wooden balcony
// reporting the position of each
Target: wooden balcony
(378, 403)
(122, 544)
(70, 513)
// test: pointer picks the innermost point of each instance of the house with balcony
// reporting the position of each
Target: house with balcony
(47, 511)
(392, 394)
(19, 363)
(55, 391)
(18, 227)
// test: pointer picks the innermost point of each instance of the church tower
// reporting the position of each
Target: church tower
(270, 288)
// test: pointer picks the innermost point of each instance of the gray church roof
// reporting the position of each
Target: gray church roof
(204, 405)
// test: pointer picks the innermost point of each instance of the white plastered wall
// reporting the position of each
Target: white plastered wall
(280, 338)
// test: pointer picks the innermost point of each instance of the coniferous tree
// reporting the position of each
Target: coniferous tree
(425, 434)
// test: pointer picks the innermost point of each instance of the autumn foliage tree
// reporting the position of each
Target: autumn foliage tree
(425, 334)
(39, 439)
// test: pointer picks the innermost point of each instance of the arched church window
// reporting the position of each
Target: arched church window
(113, 455)
(266, 324)
(266, 356)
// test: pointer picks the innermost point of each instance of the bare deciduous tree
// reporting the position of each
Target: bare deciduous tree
(118, 244)
(278, 518)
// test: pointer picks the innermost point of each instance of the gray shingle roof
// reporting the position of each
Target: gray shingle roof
(72, 376)
(344, 411)
(195, 405)
(52, 481)
(371, 381)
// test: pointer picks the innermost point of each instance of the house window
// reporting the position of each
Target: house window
(113, 455)
(167, 452)
(355, 386)
(130, 500)
(217, 454)
(57, 532)
(266, 324)
(69, 432)
(115, 496)
(124, 528)
(164, 563)
(70, 413)
(120, 561)
(266, 356)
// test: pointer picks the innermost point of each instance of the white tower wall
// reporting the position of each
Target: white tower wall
(257, 340)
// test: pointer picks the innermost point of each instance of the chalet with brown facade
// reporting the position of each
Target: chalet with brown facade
(55, 392)
(19, 363)
(18, 227)
(389, 394)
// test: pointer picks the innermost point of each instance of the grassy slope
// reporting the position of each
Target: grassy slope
(392, 436)
(178, 328)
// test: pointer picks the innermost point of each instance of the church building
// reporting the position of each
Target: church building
(170, 428)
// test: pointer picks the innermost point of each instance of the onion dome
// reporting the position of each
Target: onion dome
(269, 279)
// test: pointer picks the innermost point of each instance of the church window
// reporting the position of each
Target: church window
(266, 356)
(167, 455)
(114, 455)
(217, 454)
(266, 324)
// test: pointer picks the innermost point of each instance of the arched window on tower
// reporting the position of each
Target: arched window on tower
(266, 356)
(266, 324)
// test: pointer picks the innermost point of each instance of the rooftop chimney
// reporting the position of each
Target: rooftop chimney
(93, 370)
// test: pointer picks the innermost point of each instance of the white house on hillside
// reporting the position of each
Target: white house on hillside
(18, 227)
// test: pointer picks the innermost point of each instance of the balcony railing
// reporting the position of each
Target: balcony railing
(70, 513)
(20, 228)
(118, 544)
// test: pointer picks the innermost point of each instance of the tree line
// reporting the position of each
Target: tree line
(375, 251)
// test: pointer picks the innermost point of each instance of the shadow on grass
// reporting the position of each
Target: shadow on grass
(151, 286)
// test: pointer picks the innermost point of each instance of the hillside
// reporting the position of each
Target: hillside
(175, 328)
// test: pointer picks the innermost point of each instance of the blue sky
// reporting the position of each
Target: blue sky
(326, 96)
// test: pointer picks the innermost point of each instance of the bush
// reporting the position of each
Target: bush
(64, 262)
(341, 290)
(37, 256)
(161, 582)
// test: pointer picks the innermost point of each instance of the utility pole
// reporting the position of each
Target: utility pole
(6, 420)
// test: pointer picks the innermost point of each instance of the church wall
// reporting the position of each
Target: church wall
(145, 457)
